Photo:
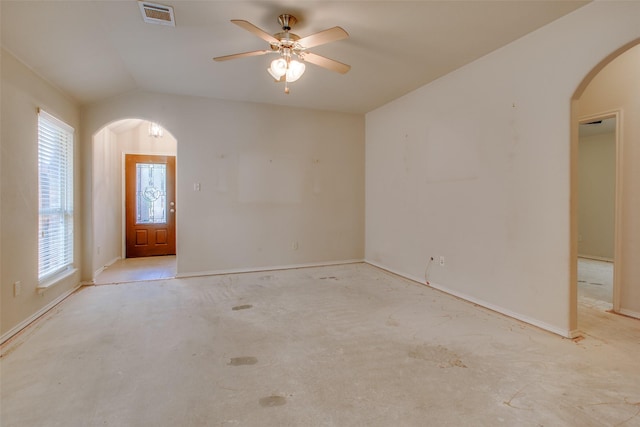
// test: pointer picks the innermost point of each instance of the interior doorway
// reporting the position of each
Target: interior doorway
(596, 210)
(609, 89)
(111, 145)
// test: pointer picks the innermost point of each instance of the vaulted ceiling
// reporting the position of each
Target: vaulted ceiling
(93, 50)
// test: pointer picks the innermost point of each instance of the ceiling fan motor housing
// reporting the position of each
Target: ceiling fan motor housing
(287, 39)
(287, 21)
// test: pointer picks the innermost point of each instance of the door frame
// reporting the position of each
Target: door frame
(617, 227)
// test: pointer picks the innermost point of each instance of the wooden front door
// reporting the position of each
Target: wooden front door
(150, 205)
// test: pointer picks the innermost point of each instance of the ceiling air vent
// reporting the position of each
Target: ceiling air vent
(153, 13)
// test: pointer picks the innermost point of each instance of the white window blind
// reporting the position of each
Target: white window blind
(55, 182)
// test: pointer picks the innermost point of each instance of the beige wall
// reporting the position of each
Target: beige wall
(271, 178)
(476, 167)
(22, 93)
(107, 195)
(617, 87)
(596, 195)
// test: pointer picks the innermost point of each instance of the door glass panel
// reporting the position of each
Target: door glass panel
(151, 193)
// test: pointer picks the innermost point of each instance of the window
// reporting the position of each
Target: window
(55, 185)
(151, 193)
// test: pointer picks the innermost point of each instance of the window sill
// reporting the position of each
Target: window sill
(51, 282)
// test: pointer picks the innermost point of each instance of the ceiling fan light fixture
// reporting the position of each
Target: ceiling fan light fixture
(278, 68)
(295, 71)
(272, 74)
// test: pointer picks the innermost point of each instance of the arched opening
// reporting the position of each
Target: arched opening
(609, 93)
(115, 198)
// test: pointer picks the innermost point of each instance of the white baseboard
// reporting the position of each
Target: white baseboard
(271, 268)
(101, 269)
(526, 319)
(629, 313)
(20, 326)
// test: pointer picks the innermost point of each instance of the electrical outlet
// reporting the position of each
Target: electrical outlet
(17, 288)
(441, 261)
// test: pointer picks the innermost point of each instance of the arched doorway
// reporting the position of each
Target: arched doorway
(111, 146)
(609, 91)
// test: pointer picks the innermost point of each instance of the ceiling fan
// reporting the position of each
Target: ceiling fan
(289, 46)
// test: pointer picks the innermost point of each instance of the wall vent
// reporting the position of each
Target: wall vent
(153, 13)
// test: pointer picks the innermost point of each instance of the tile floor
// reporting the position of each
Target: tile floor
(137, 269)
(595, 283)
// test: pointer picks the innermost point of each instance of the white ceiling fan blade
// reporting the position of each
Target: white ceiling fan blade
(326, 36)
(255, 30)
(242, 55)
(329, 64)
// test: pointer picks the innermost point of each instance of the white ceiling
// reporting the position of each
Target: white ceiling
(125, 125)
(94, 50)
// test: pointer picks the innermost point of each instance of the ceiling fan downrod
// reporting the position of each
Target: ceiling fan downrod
(287, 21)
